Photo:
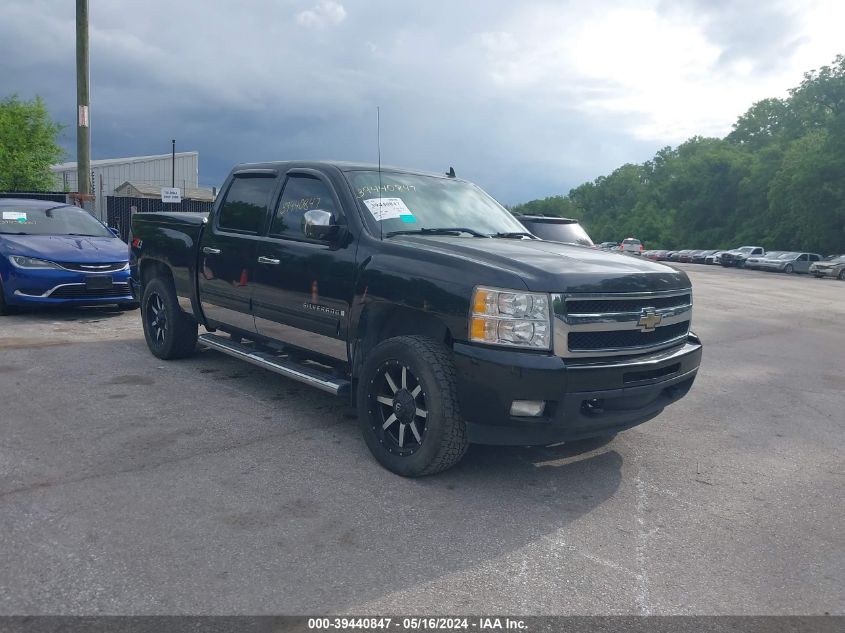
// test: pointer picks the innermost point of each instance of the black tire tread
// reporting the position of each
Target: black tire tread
(453, 441)
(5, 308)
(185, 329)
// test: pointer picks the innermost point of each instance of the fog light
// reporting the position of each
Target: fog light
(527, 408)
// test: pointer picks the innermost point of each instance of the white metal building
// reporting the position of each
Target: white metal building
(110, 173)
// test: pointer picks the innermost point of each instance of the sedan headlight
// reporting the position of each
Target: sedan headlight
(509, 317)
(31, 262)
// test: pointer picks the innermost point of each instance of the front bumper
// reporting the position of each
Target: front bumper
(23, 287)
(583, 399)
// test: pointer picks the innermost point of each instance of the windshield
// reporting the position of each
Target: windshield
(410, 203)
(788, 256)
(745, 249)
(571, 233)
(773, 254)
(63, 220)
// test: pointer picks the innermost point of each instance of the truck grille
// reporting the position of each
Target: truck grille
(594, 325)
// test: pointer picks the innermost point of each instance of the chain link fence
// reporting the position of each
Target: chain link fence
(120, 209)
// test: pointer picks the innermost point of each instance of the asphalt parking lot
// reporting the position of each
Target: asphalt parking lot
(129, 485)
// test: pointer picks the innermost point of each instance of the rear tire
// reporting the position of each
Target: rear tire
(408, 407)
(170, 333)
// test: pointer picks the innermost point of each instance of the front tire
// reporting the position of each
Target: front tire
(5, 308)
(408, 407)
(842, 275)
(788, 269)
(170, 333)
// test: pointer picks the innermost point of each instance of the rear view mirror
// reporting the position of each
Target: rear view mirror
(318, 224)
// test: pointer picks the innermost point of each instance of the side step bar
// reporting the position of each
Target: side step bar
(279, 365)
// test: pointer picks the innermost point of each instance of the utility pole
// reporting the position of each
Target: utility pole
(173, 163)
(83, 131)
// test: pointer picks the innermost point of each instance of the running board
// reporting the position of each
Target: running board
(282, 366)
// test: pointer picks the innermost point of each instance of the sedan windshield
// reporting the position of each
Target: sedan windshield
(60, 220)
(409, 203)
(788, 256)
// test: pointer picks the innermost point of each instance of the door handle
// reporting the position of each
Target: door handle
(268, 260)
(211, 251)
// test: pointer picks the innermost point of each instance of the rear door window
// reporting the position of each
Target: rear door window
(245, 208)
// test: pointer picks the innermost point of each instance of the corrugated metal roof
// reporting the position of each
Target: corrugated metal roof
(119, 161)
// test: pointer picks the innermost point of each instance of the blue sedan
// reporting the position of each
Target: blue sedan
(58, 254)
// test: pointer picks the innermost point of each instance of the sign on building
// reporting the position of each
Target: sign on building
(171, 194)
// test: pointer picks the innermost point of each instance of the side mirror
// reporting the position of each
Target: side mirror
(318, 224)
(114, 231)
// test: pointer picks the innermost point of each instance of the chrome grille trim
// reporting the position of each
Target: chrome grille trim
(124, 286)
(612, 319)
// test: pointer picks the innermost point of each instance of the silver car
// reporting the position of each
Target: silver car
(833, 266)
(754, 262)
(790, 262)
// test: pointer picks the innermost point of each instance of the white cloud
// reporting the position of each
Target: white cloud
(325, 13)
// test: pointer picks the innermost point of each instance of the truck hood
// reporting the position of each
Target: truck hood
(556, 267)
(77, 249)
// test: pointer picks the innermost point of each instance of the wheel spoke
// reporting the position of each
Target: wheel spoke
(385, 400)
(416, 391)
(422, 413)
(416, 432)
(389, 421)
(390, 382)
(401, 435)
(404, 378)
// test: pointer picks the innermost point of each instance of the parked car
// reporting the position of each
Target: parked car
(555, 229)
(832, 266)
(609, 246)
(58, 254)
(686, 255)
(417, 297)
(659, 255)
(631, 246)
(789, 262)
(700, 257)
(668, 255)
(715, 258)
(753, 262)
(737, 256)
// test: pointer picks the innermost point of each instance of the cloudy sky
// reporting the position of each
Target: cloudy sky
(528, 98)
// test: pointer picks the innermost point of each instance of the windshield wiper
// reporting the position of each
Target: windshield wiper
(457, 230)
(514, 234)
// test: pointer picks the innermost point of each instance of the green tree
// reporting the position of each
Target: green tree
(27, 145)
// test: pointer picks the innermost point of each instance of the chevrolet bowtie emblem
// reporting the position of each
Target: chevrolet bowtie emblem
(649, 320)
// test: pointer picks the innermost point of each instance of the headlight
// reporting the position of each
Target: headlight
(506, 317)
(31, 262)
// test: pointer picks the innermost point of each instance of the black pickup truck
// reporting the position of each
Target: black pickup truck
(424, 301)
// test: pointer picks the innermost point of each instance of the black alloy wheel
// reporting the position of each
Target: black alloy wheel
(398, 409)
(156, 316)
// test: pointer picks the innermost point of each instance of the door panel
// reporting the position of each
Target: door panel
(227, 257)
(304, 299)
